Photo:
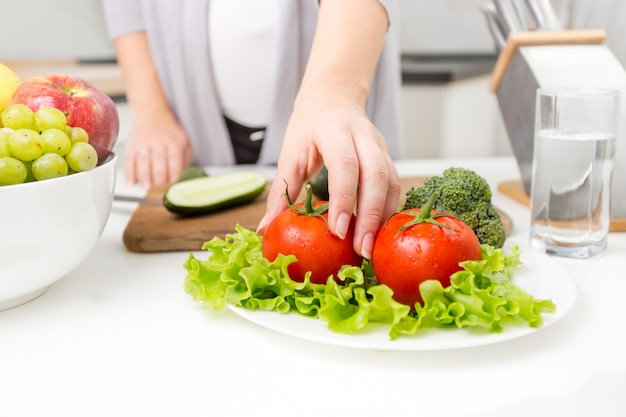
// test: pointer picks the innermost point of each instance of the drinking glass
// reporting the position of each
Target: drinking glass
(573, 158)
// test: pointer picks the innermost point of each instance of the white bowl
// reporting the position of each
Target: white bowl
(47, 228)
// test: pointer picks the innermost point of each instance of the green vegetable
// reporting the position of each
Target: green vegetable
(191, 173)
(466, 195)
(208, 194)
(319, 184)
(481, 295)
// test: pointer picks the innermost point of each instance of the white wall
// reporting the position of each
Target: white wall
(36, 29)
(444, 26)
(57, 29)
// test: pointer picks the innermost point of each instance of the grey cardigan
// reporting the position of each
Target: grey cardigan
(178, 36)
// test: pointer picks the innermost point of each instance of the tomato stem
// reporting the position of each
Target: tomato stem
(308, 208)
(425, 214)
(289, 201)
(308, 199)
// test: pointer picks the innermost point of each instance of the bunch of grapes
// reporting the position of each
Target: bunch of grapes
(39, 145)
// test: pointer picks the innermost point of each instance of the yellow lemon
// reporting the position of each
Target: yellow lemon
(8, 83)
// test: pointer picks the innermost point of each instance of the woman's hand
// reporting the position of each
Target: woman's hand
(361, 173)
(157, 152)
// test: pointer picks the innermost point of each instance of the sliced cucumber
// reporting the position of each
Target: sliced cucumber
(208, 194)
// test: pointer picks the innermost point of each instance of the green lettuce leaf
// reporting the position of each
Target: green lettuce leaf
(480, 295)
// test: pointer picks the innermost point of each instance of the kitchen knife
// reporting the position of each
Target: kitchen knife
(545, 13)
(495, 26)
(508, 15)
(530, 14)
(135, 199)
(535, 13)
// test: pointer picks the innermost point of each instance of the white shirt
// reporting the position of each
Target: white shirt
(243, 42)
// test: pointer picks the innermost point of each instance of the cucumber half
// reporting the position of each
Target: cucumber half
(208, 194)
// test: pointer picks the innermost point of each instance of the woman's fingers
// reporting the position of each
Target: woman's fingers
(362, 178)
(158, 161)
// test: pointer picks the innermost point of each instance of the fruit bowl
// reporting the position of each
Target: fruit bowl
(47, 229)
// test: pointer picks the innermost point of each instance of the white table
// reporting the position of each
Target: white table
(119, 337)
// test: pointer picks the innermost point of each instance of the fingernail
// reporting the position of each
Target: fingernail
(341, 228)
(367, 245)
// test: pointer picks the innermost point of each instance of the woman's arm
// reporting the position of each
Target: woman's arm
(329, 124)
(158, 149)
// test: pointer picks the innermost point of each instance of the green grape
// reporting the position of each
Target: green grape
(25, 144)
(5, 132)
(49, 165)
(29, 171)
(19, 116)
(50, 118)
(55, 141)
(4, 148)
(82, 157)
(12, 171)
(78, 134)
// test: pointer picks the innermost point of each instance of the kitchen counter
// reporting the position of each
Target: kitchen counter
(118, 336)
(444, 68)
(416, 69)
(104, 75)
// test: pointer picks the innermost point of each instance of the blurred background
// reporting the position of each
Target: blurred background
(447, 58)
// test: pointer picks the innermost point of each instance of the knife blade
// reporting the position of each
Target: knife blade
(535, 13)
(134, 199)
(495, 26)
(546, 14)
(508, 15)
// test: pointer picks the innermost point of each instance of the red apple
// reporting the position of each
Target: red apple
(84, 105)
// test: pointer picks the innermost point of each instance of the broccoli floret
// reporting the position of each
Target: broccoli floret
(464, 194)
(488, 228)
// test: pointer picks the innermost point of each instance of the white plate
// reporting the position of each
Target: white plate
(540, 275)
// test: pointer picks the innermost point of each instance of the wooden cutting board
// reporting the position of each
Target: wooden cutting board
(515, 190)
(152, 228)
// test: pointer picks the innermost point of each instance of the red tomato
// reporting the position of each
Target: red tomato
(309, 239)
(403, 259)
